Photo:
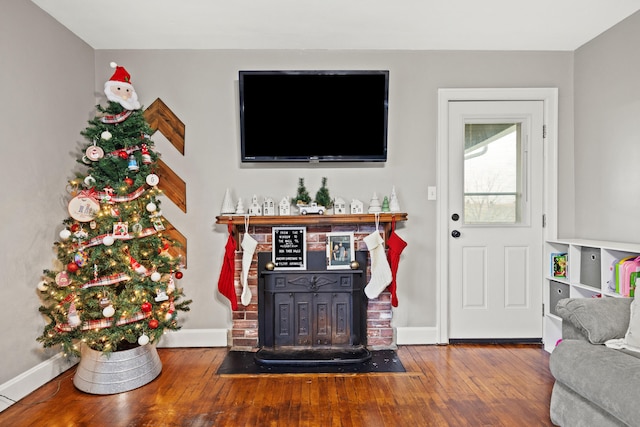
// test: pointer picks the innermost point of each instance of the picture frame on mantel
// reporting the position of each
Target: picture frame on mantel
(340, 250)
(289, 248)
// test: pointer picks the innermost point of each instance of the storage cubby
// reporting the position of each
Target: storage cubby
(589, 274)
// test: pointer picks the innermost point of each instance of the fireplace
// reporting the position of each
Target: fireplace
(377, 332)
(316, 312)
(315, 307)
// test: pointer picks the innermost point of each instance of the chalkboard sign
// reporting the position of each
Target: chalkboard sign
(290, 248)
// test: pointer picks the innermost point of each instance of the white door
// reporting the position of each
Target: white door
(495, 219)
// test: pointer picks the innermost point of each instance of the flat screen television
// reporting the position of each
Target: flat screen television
(313, 116)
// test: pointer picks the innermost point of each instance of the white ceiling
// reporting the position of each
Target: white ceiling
(339, 24)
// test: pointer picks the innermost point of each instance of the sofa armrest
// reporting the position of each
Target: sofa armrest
(596, 319)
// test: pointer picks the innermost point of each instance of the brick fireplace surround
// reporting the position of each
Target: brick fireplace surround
(244, 332)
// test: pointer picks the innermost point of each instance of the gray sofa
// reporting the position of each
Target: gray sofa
(595, 385)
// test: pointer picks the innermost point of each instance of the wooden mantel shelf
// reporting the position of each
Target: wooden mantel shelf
(278, 220)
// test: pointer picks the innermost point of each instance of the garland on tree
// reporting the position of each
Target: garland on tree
(114, 283)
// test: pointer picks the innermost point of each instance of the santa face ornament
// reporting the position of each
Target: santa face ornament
(119, 89)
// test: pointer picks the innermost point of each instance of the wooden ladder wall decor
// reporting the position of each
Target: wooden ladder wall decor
(160, 117)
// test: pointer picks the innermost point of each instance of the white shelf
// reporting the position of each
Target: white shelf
(599, 257)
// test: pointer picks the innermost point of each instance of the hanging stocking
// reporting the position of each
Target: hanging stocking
(225, 282)
(380, 270)
(396, 245)
(249, 245)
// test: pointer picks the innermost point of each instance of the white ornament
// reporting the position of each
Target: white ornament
(143, 340)
(151, 207)
(94, 153)
(168, 316)
(65, 234)
(106, 135)
(155, 276)
(42, 286)
(108, 240)
(89, 181)
(108, 311)
(152, 179)
(74, 320)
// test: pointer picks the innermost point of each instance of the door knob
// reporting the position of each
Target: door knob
(455, 217)
(455, 233)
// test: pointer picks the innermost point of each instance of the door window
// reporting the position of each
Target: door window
(493, 184)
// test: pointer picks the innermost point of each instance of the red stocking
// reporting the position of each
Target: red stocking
(396, 245)
(225, 282)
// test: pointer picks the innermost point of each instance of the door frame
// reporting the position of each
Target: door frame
(549, 97)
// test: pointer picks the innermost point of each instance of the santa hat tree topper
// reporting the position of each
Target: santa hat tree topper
(119, 88)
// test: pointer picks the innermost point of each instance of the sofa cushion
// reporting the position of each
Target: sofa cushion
(631, 340)
(599, 319)
(606, 377)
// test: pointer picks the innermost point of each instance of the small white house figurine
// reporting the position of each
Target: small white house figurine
(268, 207)
(284, 208)
(255, 208)
(339, 206)
(357, 207)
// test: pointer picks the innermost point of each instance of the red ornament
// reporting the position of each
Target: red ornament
(74, 227)
(153, 324)
(146, 307)
(129, 181)
(178, 274)
(123, 155)
(72, 267)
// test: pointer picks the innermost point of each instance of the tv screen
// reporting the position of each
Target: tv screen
(313, 116)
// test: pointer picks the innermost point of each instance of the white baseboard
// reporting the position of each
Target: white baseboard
(25, 383)
(194, 338)
(416, 335)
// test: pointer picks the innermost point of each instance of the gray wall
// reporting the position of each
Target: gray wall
(47, 83)
(607, 135)
(201, 88)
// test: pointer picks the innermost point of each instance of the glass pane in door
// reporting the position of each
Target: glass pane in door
(492, 173)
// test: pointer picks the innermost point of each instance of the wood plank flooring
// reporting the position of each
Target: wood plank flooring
(455, 385)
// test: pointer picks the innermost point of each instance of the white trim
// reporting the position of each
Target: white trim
(25, 383)
(549, 96)
(194, 338)
(416, 335)
(28, 381)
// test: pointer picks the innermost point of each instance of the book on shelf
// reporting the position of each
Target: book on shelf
(559, 263)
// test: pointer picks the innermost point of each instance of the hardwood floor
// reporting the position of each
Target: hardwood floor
(455, 385)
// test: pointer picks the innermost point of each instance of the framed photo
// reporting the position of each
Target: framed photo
(340, 251)
(289, 248)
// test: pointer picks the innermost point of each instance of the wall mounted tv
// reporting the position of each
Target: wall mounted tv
(313, 116)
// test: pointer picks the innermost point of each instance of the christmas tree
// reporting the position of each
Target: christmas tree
(322, 196)
(113, 287)
(302, 196)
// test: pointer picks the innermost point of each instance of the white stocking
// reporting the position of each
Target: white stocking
(249, 245)
(380, 271)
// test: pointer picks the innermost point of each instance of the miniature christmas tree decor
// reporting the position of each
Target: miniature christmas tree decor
(322, 196)
(302, 197)
(114, 288)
